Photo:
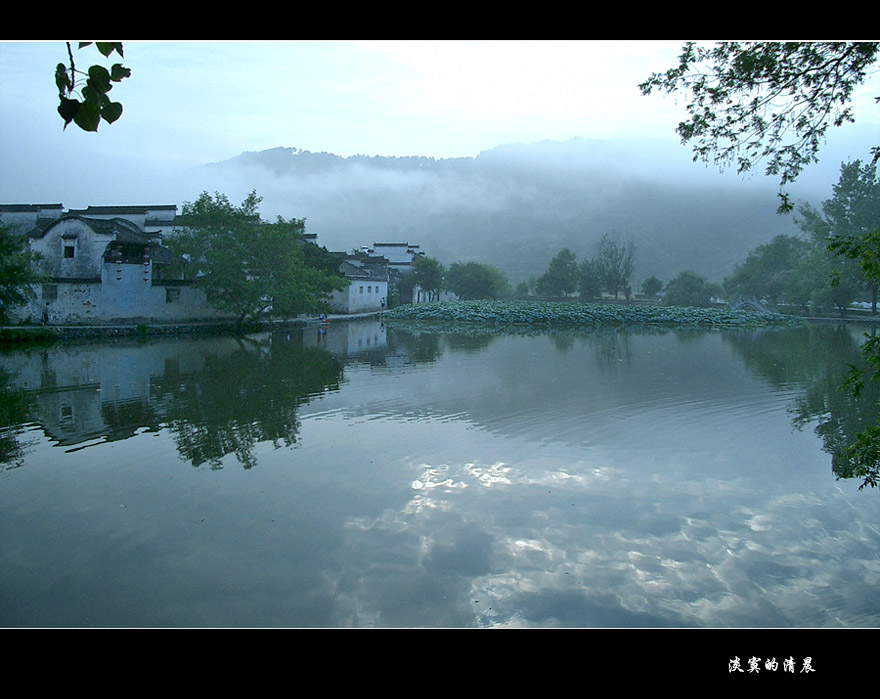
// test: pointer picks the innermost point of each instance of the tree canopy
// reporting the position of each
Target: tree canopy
(475, 280)
(16, 271)
(771, 102)
(429, 274)
(614, 262)
(249, 267)
(690, 289)
(561, 277)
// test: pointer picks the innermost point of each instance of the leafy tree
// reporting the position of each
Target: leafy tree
(92, 103)
(474, 280)
(561, 277)
(852, 217)
(651, 287)
(690, 289)
(248, 267)
(768, 272)
(429, 274)
(589, 280)
(16, 271)
(615, 263)
(773, 101)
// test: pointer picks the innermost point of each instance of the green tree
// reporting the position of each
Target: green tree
(17, 272)
(83, 96)
(474, 280)
(852, 218)
(429, 274)
(615, 261)
(766, 101)
(690, 289)
(651, 287)
(769, 272)
(589, 280)
(248, 267)
(561, 277)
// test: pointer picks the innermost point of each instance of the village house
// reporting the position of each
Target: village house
(368, 277)
(400, 258)
(103, 264)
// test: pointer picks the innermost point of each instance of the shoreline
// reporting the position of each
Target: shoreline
(26, 334)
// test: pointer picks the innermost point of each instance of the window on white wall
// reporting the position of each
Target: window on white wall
(69, 250)
(172, 294)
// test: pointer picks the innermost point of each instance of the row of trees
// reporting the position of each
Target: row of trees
(467, 280)
(609, 271)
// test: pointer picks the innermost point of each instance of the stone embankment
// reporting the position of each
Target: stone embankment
(44, 333)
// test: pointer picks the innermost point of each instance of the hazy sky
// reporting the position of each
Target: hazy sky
(190, 103)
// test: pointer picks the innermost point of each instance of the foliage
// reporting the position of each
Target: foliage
(16, 271)
(615, 263)
(248, 267)
(851, 219)
(242, 402)
(561, 277)
(589, 280)
(845, 227)
(92, 87)
(548, 314)
(429, 274)
(768, 272)
(474, 280)
(690, 289)
(651, 286)
(765, 101)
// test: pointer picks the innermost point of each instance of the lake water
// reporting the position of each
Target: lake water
(372, 476)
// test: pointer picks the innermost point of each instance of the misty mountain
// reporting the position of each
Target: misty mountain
(516, 206)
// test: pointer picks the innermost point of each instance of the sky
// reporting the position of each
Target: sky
(188, 103)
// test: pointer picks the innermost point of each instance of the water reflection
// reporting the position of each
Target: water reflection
(215, 396)
(224, 396)
(413, 478)
(815, 359)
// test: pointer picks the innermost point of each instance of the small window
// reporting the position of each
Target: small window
(69, 251)
(369, 289)
(172, 294)
(50, 292)
(361, 290)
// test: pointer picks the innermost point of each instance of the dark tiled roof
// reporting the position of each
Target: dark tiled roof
(29, 207)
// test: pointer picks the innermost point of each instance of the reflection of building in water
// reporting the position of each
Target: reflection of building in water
(347, 338)
(90, 391)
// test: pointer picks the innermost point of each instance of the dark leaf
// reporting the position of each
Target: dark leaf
(118, 72)
(111, 112)
(99, 78)
(68, 109)
(88, 117)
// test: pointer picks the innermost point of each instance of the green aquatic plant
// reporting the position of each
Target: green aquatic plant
(559, 314)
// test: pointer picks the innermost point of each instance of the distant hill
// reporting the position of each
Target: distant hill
(516, 206)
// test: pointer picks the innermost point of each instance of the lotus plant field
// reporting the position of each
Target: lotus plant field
(571, 315)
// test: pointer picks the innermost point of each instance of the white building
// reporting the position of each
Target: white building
(368, 285)
(104, 268)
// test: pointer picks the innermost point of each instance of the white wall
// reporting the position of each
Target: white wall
(361, 296)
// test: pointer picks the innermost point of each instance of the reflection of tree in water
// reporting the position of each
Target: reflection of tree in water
(16, 409)
(244, 398)
(816, 359)
(418, 347)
